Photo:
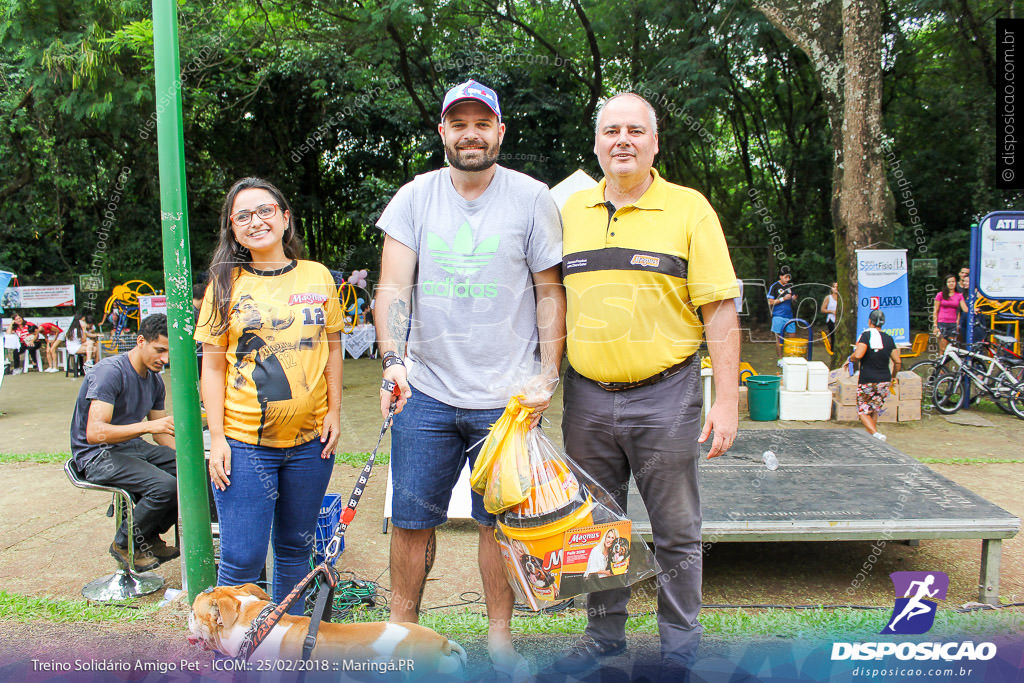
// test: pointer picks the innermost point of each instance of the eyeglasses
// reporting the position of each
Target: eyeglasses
(263, 211)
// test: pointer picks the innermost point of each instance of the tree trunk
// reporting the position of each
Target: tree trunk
(842, 38)
(862, 197)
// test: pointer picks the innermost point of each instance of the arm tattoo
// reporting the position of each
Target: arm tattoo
(398, 324)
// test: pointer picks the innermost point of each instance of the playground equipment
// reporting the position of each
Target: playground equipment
(351, 303)
(1006, 313)
(793, 345)
(919, 346)
(827, 341)
(746, 369)
(122, 306)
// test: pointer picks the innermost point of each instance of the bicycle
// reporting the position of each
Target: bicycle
(983, 372)
(929, 370)
(1002, 347)
(953, 357)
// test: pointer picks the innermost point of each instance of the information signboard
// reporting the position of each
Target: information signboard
(1000, 271)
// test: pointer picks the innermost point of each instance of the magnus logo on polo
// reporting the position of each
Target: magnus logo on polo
(463, 258)
(916, 592)
(644, 260)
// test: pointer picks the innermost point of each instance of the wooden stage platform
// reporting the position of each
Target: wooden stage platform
(838, 485)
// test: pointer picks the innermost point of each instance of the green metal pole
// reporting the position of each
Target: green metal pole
(193, 490)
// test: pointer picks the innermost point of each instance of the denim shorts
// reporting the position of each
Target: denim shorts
(430, 443)
(948, 329)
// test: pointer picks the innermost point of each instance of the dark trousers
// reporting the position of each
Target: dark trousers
(652, 432)
(148, 472)
(23, 348)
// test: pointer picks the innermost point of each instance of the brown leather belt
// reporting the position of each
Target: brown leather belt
(653, 379)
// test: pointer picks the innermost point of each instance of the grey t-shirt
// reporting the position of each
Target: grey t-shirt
(113, 380)
(474, 322)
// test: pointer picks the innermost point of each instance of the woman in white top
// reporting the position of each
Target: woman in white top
(81, 338)
(829, 306)
(597, 563)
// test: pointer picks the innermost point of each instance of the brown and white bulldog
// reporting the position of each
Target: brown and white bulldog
(221, 617)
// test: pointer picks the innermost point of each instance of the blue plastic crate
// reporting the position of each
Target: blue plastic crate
(327, 524)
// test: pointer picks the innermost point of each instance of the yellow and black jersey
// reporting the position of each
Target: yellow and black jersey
(634, 277)
(276, 344)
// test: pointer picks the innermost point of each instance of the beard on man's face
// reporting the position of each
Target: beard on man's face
(459, 158)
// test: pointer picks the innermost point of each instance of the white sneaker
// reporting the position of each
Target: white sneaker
(17, 371)
(51, 369)
(879, 435)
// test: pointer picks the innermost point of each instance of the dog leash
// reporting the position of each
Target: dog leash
(325, 599)
(334, 546)
(271, 614)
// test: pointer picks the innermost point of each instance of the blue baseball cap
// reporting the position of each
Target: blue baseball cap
(471, 90)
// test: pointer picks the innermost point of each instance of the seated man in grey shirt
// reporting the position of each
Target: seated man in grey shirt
(121, 399)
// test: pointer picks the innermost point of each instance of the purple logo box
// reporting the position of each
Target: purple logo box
(937, 583)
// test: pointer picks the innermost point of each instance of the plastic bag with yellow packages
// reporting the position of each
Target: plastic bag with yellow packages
(568, 536)
(502, 470)
(560, 533)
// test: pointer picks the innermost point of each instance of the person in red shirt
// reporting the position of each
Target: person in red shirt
(51, 335)
(28, 334)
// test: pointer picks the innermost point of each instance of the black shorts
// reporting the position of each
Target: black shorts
(948, 329)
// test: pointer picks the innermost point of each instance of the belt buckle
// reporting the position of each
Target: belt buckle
(622, 386)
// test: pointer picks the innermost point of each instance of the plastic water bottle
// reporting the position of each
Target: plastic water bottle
(770, 461)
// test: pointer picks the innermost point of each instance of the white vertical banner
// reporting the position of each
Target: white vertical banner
(882, 284)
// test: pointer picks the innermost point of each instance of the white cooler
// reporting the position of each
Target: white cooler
(805, 405)
(794, 374)
(817, 376)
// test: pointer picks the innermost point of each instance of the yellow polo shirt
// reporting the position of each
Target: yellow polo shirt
(634, 279)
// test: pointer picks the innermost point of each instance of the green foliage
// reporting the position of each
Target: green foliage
(338, 105)
(727, 624)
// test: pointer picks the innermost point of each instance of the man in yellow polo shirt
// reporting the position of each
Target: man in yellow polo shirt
(641, 257)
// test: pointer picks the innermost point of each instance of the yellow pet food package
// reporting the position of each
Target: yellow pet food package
(502, 472)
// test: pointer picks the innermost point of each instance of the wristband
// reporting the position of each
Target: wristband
(391, 358)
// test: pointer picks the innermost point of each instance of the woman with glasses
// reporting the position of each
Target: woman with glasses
(271, 385)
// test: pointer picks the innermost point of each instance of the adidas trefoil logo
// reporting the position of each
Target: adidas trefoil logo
(462, 257)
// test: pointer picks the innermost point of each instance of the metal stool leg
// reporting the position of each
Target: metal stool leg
(125, 582)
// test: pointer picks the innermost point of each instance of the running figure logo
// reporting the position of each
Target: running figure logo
(914, 612)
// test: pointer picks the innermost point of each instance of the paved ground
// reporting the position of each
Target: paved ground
(53, 538)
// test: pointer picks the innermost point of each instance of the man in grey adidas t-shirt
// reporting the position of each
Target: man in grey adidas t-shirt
(470, 304)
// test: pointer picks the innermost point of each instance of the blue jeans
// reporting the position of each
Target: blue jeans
(430, 443)
(283, 486)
